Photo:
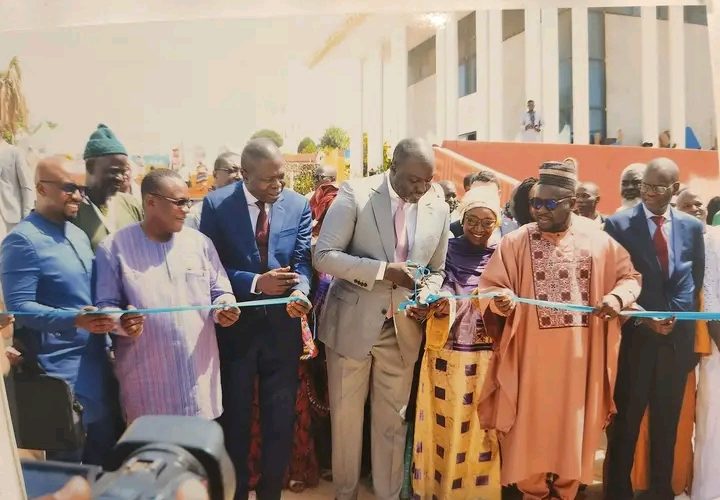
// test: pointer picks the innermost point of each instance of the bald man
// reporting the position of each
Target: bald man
(588, 197)
(689, 201)
(46, 267)
(325, 174)
(667, 248)
(262, 234)
(451, 197)
(375, 226)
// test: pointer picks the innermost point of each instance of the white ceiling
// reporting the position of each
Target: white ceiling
(18, 15)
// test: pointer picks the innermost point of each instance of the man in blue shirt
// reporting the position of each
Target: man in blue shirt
(46, 268)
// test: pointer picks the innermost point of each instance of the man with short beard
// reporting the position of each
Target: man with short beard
(630, 181)
(550, 423)
(106, 209)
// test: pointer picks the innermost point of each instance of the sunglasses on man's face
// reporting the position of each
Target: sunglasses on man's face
(550, 204)
(178, 202)
(67, 187)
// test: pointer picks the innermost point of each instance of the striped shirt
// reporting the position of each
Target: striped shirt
(173, 367)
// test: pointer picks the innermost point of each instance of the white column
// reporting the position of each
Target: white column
(676, 35)
(356, 129)
(440, 83)
(399, 56)
(451, 77)
(550, 104)
(495, 75)
(713, 15)
(373, 101)
(649, 74)
(481, 74)
(580, 77)
(533, 57)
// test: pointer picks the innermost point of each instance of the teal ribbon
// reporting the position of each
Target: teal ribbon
(421, 272)
(158, 310)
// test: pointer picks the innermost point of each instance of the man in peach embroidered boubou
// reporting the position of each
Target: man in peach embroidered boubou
(549, 389)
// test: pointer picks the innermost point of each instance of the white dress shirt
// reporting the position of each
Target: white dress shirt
(410, 222)
(254, 212)
(666, 229)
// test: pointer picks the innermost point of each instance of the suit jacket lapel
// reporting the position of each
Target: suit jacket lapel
(243, 236)
(426, 214)
(277, 219)
(380, 202)
(640, 228)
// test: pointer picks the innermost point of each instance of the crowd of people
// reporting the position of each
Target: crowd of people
(431, 349)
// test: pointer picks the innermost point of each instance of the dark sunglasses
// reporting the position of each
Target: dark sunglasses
(178, 202)
(67, 187)
(538, 203)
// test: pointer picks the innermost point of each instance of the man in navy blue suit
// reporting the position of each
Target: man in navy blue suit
(656, 356)
(262, 234)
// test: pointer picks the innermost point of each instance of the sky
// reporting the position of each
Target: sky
(201, 85)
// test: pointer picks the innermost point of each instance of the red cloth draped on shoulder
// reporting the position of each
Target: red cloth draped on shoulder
(320, 202)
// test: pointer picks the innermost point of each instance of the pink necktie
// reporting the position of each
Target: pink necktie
(401, 245)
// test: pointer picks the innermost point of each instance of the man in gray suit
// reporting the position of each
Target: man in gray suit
(374, 228)
(16, 193)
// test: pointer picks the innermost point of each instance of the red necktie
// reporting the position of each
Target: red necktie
(661, 247)
(262, 231)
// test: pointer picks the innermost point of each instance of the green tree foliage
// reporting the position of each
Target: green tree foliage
(307, 145)
(335, 138)
(305, 180)
(269, 134)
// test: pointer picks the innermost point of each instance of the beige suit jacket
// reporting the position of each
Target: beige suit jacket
(356, 237)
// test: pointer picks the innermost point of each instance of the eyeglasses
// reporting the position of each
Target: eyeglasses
(233, 170)
(585, 196)
(538, 203)
(67, 187)
(178, 202)
(473, 221)
(651, 188)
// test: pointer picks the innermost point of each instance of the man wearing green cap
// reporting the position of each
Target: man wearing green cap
(106, 209)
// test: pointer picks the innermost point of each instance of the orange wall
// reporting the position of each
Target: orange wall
(448, 167)
(599, 164)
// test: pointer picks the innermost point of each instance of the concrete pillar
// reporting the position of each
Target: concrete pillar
(440, 83)
(581, 81)
(533, 57)
(550, 103)
(373, 102)
(649, 74)
(481, 69)
(356, 129)
(495, 75)
(676, 35)
(399, 57)
(451, 77)
(713, 15)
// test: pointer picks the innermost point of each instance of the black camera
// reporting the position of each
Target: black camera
(150, 461)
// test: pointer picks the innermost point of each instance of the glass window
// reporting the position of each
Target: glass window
(467, 76)
(696, 14)
(421, 61)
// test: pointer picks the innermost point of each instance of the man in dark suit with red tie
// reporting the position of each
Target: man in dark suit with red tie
(656, 356)
(262, 235)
